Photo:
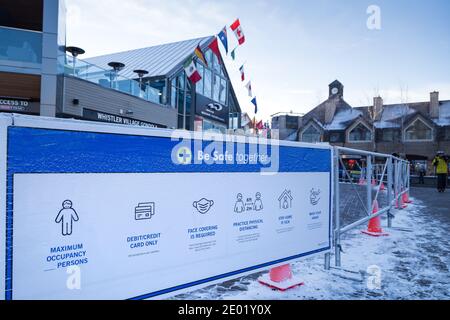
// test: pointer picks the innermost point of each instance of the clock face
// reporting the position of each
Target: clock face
(334, 90)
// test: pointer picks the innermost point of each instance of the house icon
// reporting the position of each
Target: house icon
(286, 200)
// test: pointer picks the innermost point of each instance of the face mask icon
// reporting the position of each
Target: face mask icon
(203, 206)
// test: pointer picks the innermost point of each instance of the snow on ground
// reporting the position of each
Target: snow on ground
(414, 261)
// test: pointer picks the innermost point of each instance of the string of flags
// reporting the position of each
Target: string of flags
(241, 69)
(191, 69)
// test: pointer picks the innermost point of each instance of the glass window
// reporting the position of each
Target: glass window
(199, 85)
(15, 15)
(19, 45)
(157, 91)
(209, 58)
(311, 135)
(173, 97)
(360, 133)
(181, 81)
(418, 131)
(217, 67)
(216, 90)
(207, 84)
(188, 102)
(211, 126)
(223, 91)
(180, 98)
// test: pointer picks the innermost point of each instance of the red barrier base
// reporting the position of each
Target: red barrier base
(375, 234)
(280, 286)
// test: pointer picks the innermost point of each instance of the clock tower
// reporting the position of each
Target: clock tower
(336, 89)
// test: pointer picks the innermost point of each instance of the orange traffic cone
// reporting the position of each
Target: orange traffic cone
(382, 187)
(374, 228)
(280, 278)
(405, 198)
(396, 202)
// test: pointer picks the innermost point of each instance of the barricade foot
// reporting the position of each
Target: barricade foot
(374, 227)
(375, 234)
(280, 278)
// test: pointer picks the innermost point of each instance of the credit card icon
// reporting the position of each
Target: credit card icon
(144, 211)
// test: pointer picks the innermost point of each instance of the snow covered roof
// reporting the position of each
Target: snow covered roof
(393, 115)
(158, 60)
(343, 118)
(444, 114)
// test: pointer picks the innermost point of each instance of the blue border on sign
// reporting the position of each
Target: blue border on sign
(225, 275)
(48, 151)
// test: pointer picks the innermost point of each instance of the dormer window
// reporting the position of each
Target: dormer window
(360, 133)
(418, 131)
(311, 134)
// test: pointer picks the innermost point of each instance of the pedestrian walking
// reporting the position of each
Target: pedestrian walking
(440, 163)
(422, 172)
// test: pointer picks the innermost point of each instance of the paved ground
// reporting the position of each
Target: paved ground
(436, 205)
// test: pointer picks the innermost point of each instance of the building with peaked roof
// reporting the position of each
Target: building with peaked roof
(145, 87)
(415, 130)
(210, 104)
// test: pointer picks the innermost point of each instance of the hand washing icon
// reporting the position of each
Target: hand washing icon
(203, 206)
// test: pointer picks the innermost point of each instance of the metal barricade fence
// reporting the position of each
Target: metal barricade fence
(382, 178)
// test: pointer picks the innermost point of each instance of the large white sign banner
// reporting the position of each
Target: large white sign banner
(110, 216)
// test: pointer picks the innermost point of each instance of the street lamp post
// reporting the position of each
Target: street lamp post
(141, 74)
(117, 67)
(75, 52)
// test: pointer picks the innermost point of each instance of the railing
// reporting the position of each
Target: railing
(20, 45)
(375, 172)
(112, 80)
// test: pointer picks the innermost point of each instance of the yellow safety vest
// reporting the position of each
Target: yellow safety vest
(441, 165)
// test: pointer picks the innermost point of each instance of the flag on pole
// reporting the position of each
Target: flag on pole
(237, 29)
(224, 38)
(255, 104)
(191, 71)
(214, 46)
(260, 125)
(249, 89)
(241, 69)
(233, 54)
(199, 53)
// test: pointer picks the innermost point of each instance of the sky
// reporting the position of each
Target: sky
(293, 48)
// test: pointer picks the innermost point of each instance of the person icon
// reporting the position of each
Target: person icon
(66, 216)
(240, 206)
(258, 205)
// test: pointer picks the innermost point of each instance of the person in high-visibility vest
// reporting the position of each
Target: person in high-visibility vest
(440, 163)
